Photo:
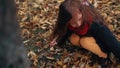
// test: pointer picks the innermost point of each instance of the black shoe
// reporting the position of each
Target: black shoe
(105, 62)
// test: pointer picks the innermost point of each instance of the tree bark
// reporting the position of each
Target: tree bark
(12, 52)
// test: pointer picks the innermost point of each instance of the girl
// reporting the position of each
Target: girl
(79, 22)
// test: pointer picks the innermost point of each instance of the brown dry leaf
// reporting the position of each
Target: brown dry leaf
(21, 13)
(35, 19)
(111, 27)
(60, 63)
(32, 55)
(26, 41)
(50, 58)
(109, 19)
(64, 66)
(65, 52)
(82, 65)
(52, 49)
(67, 60)
(76, 63)
(26, 32)
(24, 18)
(76, 56)
(35, 62)
(87, 66)
(39, 44)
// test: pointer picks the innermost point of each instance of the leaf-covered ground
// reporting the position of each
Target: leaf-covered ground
(37, 18)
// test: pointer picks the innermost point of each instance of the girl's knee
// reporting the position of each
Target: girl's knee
(74, 39)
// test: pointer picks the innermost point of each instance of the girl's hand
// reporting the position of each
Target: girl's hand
(53, 43)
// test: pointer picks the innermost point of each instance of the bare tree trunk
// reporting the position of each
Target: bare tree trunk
(12, 53)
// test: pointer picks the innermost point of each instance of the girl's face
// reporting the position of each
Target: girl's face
(76, 19)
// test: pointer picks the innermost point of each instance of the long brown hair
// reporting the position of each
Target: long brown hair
(66, 9)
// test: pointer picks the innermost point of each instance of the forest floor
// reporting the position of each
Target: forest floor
(37, 18)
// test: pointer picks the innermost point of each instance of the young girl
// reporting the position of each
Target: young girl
(79, 22)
